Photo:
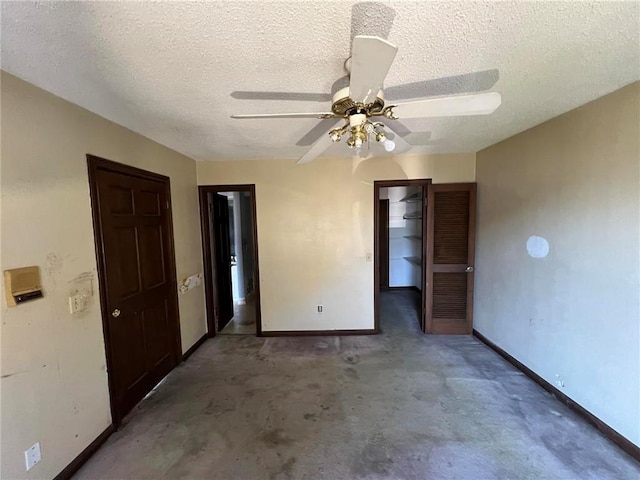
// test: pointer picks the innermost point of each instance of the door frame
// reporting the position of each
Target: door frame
(94, 164)
(383, 245)
(208, 246)
(377, 185)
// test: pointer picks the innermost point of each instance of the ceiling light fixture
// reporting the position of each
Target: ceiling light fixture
(359, 130)
(335, 135)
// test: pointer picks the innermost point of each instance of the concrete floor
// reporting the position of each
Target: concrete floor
(243, 321)
(399, 405)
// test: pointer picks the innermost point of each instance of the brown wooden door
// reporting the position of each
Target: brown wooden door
(383, 241)
(135, 248)
(450, 246)
(223, 259)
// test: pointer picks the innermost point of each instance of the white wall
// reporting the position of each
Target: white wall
(573, 316)
(315, 231)
(54, 380)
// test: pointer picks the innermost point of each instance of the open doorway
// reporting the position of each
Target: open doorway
(444, 229)
(400, 231)
(230, 247)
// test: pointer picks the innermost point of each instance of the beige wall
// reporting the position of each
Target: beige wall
(54, 383)
(573, 317)
(315, 229)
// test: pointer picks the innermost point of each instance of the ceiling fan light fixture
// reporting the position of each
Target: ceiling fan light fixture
(381, 137)
(389, 145)
(335, 135)
(358, 136)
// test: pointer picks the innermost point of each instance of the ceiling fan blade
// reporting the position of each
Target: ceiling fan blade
(315, 133)
(371, 58)
(295, 96)
(401, 145)
(479, 104)
(317, 149)
(287, 115)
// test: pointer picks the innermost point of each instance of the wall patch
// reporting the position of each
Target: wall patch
(537, 247)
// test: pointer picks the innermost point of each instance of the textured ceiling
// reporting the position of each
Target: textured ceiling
(167, 70)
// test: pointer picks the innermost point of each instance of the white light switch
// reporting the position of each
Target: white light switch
(77, 303)
(80, 292)
(32, 456)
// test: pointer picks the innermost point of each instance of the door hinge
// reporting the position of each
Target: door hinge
(167, 205)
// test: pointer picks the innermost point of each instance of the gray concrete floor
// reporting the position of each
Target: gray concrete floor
(243, 321)
(400, 405)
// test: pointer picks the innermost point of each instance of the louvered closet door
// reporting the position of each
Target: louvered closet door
(451, 218)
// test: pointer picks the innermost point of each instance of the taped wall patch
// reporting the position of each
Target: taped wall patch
(537, 247)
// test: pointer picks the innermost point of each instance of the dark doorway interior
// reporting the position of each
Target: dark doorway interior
(231, 259)
(400, 231)
(221, 255)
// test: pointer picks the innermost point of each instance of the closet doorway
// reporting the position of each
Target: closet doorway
(424, 252)
(400, 260)
(230, 247)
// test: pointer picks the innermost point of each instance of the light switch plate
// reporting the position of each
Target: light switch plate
(32, 456)
(80, 292)
(77, 303)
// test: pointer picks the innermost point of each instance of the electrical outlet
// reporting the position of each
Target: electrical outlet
(32, 456)
(319, 308)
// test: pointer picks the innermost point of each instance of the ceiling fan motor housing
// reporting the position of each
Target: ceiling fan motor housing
(344, 106)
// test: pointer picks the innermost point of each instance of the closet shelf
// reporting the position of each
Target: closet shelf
(412, 216)
(412, 197)
(417, 261)
(413, 237)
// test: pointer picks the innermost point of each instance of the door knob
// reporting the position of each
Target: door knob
(469, 269)
(115, 313)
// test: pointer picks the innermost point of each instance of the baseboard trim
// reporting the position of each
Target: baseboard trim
(195, 346)
(622, 442)
(316, 333)
(85, 455)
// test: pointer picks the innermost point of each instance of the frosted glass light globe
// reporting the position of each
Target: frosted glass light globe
(389, 145)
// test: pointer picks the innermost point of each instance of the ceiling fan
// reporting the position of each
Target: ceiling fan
(361, 105)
